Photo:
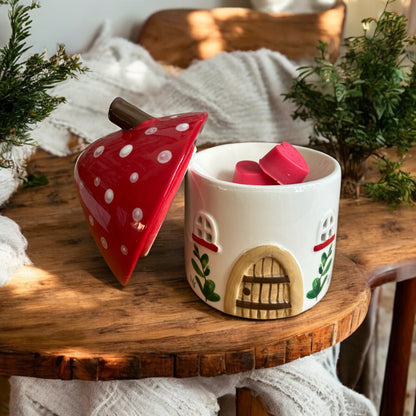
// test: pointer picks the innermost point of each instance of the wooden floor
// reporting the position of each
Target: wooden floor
(383, 334)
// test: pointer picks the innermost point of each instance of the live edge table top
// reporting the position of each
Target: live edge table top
(67, 317)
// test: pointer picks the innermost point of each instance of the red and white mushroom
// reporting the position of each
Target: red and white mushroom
(127, 180)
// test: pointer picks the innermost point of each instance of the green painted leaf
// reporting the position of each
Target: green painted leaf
(207, 271)
(197, 269)
(320, 269)
(204, 260)
(323, 258)
(311, 294)
(316, 285)
(214, 297)
(209, 287)
(327, 267)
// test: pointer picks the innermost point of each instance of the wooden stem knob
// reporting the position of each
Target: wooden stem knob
(126, 115)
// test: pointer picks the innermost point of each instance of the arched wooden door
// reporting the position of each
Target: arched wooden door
(265, 283)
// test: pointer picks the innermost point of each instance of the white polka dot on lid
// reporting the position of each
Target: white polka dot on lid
(182, 127)
(150, 130)
(126, 150)
(134, 177)
(91, 220)
(109, 195)
(124, 250)
(98, 151)
(137, 214)
(104, 242)
(164, 156)
(97, 181)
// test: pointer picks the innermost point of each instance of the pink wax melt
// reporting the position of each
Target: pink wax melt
(284, 164)
(249, 172)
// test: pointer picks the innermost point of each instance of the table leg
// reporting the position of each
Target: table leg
(248, 404)
(398, 357)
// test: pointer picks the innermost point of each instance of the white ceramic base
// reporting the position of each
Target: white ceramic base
(260, 252)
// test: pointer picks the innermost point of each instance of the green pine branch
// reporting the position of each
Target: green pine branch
(395, 185)
(364, 102)
(26, 81)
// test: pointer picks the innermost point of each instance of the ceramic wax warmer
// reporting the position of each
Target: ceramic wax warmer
(254, 251)
(261, 252)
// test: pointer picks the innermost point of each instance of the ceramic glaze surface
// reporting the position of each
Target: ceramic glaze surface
(126, 182)
(261, 252)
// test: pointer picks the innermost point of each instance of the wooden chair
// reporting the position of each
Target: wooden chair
(179, 36)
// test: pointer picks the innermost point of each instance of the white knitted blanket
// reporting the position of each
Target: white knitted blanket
(305, 387)
(241, 91)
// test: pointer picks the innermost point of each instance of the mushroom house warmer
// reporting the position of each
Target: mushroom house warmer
(260, 218)
(260, 251)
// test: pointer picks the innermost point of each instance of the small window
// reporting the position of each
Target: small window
(205, 231)
(326, 231)
(327, 227)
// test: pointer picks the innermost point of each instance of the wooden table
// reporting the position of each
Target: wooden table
(67, 317)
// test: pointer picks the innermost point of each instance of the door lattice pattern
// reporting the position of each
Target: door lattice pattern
(264, 292)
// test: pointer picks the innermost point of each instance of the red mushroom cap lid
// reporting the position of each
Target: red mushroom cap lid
(126, 183)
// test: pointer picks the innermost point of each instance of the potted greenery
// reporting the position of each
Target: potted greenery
(364, 103)
(26, 81)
